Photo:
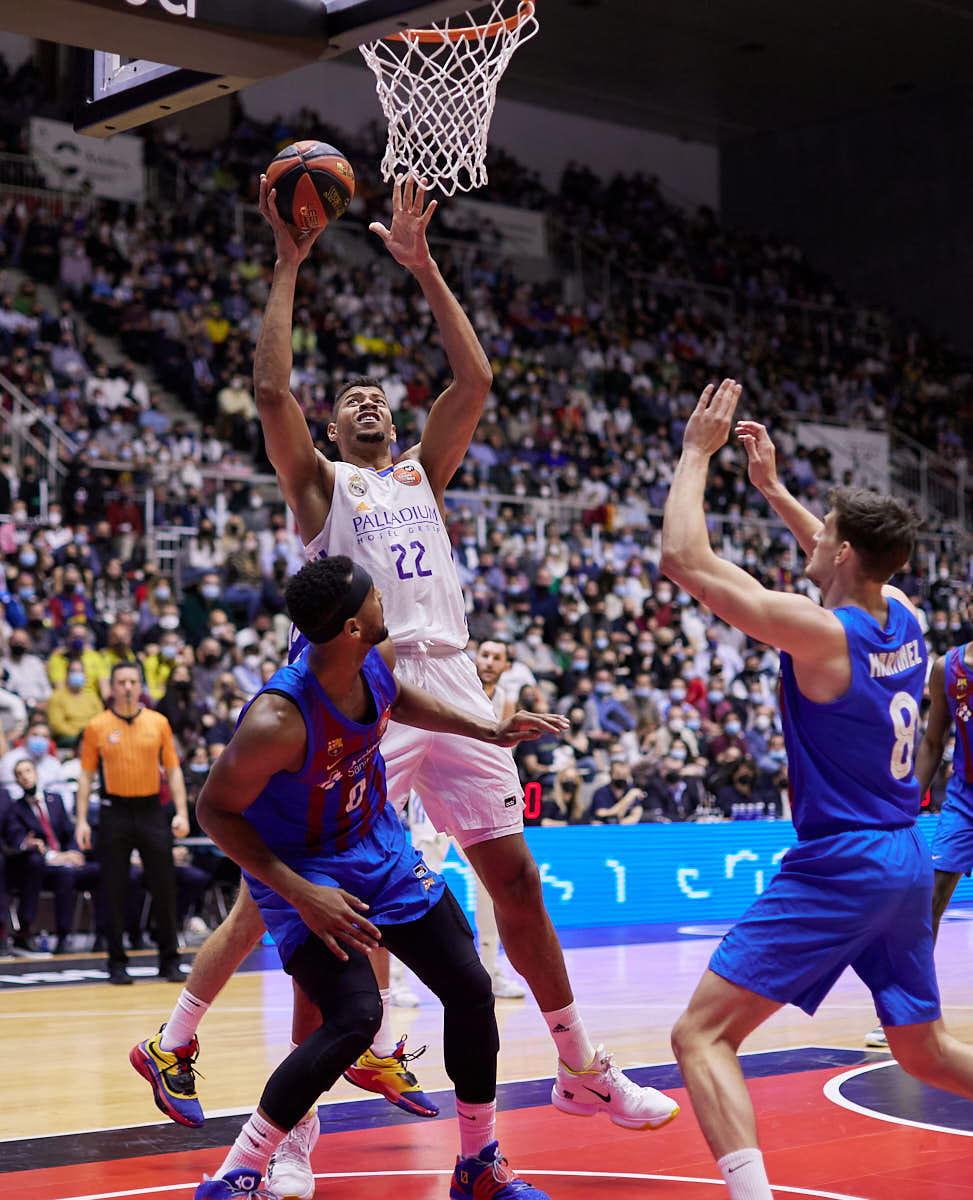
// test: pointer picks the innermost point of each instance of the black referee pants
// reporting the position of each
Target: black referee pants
(142, 824)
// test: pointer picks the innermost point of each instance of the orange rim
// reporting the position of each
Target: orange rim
(469, 34)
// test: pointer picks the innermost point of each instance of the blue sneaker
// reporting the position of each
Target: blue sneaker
(242, 1183)
(173, 1078)
(487, 1176)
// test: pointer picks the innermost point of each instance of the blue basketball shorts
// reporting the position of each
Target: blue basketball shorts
(383, 870)
(861, 899)
(952, 843)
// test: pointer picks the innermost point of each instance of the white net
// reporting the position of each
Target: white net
(437, 87)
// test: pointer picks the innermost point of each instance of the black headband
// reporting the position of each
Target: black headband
(359, 587)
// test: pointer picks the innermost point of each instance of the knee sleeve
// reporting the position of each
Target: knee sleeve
(471, 1041)
(351, 1011)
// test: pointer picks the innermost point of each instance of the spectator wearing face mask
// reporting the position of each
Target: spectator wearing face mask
(70, 603)
(672, 731)
(35, 746)
(71, 706)
(246, 673)
(775, 756)
(714, 706)
(612, 716)
(618, 802)
(206, 671)
(179, 707)
(564, 804)
(25, 673)
(159, 661)
(167, 621)
(112, 593)
(681, 780)
(198, 602)
(739, 789)
(730, 741)
(78, 644)
(536, 654)
(158, 596)
(758, 734)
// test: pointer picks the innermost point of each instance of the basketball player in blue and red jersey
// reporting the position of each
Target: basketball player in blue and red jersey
(950, 703)
(298, 799)
(390, 516)
(856, 890)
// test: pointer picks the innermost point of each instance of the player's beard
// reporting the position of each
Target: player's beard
(370, 439)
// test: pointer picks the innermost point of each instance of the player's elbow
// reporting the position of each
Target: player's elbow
(268, 396)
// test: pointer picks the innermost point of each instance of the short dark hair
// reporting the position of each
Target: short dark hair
(315, 595)
(356, 381)
(880, 529)
(129, 664)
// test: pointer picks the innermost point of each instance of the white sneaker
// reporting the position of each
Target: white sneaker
(603, 1088)
(289, 1172)
(877, 1039)
(505, 988)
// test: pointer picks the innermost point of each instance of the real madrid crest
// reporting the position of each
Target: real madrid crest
(357, 486)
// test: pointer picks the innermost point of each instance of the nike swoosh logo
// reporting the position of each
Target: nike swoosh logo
(600, 1095)
(738, 1167)
(467, 1116)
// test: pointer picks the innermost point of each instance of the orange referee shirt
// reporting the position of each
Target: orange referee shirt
(128, 750)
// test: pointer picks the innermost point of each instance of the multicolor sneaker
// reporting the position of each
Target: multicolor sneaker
(488, 1176)
(877, 1039)
(289, 1172)
(173, 1077)
(391, 1078)
(242, 1183)
(603, 1088)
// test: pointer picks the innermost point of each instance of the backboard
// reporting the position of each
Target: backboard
(144, 59)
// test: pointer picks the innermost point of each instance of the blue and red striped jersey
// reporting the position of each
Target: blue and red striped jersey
(333, 800)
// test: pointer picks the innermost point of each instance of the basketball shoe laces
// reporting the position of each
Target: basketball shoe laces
(404, 1059)
(182, 1077)
(615, 1077)
(295, 1149)
(501, 1170)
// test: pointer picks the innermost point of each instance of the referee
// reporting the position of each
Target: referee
(126, 743)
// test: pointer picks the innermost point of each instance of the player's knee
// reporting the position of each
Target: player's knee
(519, 892)
(682, 1036)
(356, 1025)
(917, 1050)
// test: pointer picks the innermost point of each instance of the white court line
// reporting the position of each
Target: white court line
(790, 1191)
(832, 1091)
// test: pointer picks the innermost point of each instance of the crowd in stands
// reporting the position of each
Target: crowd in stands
(673, 715)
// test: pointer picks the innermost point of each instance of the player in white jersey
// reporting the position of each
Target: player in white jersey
(389, 515)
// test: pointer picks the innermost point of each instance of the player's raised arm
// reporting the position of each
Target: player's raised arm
(306, 477)
(454, 417)
(271, 738)
(762, 469)
(930, 752)
(790, 622)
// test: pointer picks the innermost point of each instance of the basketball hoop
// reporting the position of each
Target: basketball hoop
(437, 87)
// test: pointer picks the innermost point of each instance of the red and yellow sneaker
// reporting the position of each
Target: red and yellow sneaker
(391, 1078)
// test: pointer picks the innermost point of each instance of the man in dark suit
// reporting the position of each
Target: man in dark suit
(41, 830)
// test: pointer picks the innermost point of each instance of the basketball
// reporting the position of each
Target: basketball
(314, 183)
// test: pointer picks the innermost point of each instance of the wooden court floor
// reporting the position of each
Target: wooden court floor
(77, 1123)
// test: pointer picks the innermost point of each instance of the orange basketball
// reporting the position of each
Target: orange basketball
(314, 183)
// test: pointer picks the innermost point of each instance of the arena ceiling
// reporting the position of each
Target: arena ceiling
(714, 70)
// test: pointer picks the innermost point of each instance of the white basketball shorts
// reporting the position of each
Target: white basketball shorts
(471, 790)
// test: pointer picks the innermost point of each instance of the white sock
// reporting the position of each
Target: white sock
(570, 1036)
(476, 1123)
(744, 1175)
(182, 1025)
(255, 1143)
(384, 1044)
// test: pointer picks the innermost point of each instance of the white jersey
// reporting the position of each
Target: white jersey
(389, 522)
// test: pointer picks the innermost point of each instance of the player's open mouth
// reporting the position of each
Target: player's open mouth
(370, 417)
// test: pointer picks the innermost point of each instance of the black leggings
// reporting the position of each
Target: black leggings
(439, 948)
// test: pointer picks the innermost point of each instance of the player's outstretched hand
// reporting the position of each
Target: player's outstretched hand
(761, 455)
(709, 426)
(336, 915)
(525, 726)
(406, 240)
(292, 245)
